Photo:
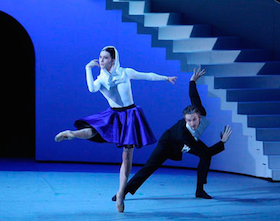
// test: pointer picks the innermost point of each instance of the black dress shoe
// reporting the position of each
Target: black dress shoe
(114, 198)
(202, 194)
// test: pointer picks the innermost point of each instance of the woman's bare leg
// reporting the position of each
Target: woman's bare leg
(85, 133)
(124, 174)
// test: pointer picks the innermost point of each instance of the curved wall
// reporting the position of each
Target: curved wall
(66, 35)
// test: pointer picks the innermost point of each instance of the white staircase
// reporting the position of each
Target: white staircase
(247, 81)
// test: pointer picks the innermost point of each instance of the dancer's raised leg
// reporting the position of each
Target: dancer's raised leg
(85, 133)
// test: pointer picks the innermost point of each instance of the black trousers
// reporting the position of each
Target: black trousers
(161, 153)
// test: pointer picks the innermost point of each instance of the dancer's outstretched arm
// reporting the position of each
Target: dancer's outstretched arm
(93, 85)
(132, 74)
(226, 134)
(193, 93)
(197, 74)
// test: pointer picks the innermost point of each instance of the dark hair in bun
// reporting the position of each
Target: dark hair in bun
(111, 51)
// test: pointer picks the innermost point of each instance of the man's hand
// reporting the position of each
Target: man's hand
(227, 132)
(172, 79)
(197, 74)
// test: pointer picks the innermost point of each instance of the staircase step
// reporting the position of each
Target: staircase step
(117, 4)
(253, 55)
(139, 19)
(220, 56)
(271, 148)
(236, 68)
(206, 57)
(153, 20)
(161, 19)
(251, 95)
(247, 95)
(206, 44)
(268, 134)
(276, 175)
(175, 32)
(274, 162)
(270, 68)
(231, 69)
(259, 81)
(259, 108)
(264, 121)
(139, 7)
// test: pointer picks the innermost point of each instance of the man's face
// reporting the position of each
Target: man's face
(192, 120)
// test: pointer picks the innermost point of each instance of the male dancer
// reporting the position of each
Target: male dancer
(183, 137)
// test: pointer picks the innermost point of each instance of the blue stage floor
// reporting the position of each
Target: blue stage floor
(53, 191)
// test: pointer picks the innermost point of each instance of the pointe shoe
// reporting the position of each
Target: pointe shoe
(120, 207)
(64, 135)
(120, 203)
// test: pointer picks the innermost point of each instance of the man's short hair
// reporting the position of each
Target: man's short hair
(191, 110)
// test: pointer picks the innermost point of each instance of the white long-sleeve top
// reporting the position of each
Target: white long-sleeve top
(119, 94)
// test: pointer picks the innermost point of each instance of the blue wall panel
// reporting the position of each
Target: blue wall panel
(66, 36)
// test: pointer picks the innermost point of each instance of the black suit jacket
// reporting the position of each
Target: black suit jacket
(178, 135)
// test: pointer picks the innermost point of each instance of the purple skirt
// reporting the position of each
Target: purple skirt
(122, 126)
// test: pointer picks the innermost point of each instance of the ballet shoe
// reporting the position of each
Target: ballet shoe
(120, 207)
(120, 203)
(64, 135)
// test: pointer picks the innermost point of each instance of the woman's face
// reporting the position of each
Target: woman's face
(105, 60)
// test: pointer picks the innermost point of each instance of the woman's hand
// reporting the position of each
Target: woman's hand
(227, 132)
(172, 80)
(197, 74)
(92, 64)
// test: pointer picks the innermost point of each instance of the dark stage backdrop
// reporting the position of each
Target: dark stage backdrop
(66, 35)
(17, 68)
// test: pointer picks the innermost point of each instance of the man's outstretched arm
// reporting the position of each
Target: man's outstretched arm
(193, 93)
(219, 147)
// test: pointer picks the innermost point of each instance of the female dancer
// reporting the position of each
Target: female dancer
(123, 123)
